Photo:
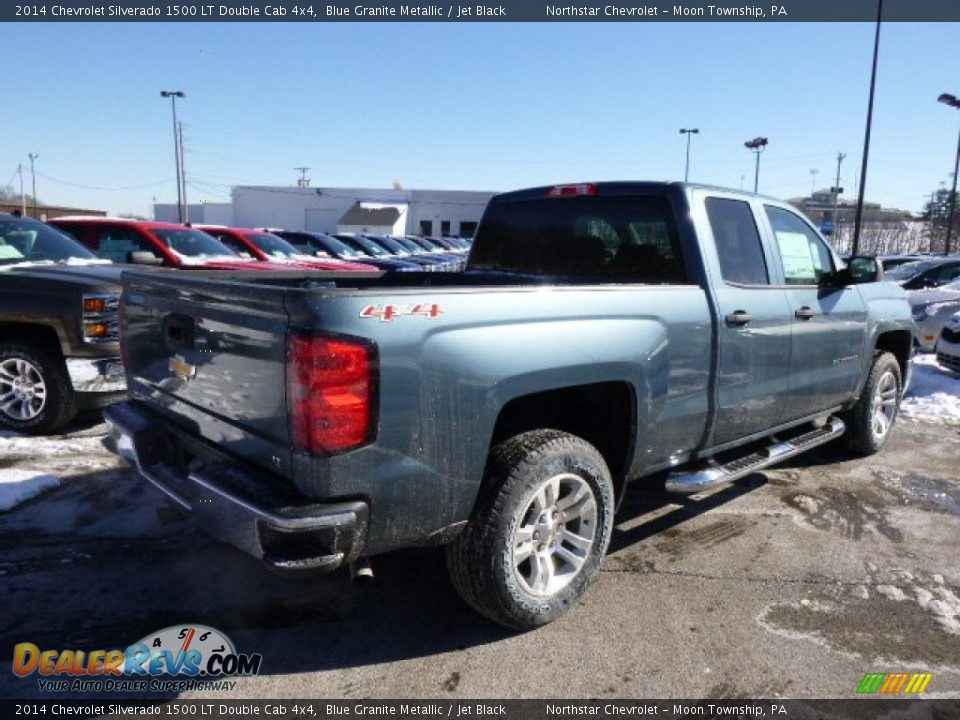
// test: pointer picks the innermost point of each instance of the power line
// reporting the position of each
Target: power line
(101, 187)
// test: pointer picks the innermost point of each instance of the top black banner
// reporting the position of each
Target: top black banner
(647, 11)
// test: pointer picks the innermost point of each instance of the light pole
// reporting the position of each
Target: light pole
(688, 132)
(866, 133)
(756, 146)
(954, 102)
(33, 182)
(813, 181)
(173, 95)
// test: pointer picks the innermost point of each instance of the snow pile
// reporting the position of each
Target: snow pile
(18, 486)
(934, 394)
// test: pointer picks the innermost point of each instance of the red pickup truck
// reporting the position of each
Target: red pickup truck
(141, 242)
(267, 247)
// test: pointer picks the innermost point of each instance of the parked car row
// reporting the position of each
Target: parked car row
(60, 295)
(933, 285)
(389, 252)
(218, 247)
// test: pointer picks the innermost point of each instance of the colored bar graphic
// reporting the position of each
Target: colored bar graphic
(893, 683)
(871, 682)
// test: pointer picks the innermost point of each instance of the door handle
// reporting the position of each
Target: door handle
(804, 313)
(740, 317)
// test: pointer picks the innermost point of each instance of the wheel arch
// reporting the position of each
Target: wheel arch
(47, 336)
(603, 413)
(899, 343)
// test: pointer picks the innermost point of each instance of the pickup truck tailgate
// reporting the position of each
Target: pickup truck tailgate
(211, 357)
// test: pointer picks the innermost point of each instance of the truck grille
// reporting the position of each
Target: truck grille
(950, 361)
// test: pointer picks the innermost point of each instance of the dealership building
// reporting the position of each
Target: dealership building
(393, 211)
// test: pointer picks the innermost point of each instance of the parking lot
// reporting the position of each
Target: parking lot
(793, 582)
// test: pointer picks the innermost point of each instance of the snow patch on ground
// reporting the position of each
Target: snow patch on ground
(934, 394)
(18, 486)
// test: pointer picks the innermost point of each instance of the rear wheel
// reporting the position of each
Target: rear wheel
(539, 530)
(35, 393)
(871, 420)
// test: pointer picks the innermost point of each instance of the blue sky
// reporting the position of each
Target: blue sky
(476, 106)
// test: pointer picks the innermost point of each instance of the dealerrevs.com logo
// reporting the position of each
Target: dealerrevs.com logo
(197, 655)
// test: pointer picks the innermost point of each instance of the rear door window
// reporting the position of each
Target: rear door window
(629, 239)
(737, 240)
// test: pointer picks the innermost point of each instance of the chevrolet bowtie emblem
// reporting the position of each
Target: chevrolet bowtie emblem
(181, 368)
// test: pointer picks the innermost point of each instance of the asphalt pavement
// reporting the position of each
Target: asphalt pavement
(793, 582)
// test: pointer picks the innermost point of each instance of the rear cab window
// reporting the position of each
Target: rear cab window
(617, 238)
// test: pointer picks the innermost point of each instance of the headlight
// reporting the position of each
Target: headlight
(99, 315)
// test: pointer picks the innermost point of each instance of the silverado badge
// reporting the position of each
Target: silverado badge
(181, 368)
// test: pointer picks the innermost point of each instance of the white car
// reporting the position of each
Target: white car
(948, 345)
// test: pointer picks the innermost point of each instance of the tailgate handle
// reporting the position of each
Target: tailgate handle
(180, 331)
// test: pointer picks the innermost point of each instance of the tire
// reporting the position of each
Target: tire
(540, 487)
(35, 392)
(870, 421)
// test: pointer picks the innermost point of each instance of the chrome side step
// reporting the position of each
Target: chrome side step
(777, 451)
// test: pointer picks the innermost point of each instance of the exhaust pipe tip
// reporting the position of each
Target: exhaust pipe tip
(361, 571)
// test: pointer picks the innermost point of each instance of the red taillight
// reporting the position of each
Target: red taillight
(572, 190)
(330, 392)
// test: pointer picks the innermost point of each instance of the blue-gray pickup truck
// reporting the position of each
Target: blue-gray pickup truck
(602, 333)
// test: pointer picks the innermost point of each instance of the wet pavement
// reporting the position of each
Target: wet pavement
(794, 582)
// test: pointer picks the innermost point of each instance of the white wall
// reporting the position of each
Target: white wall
(199, 213)
(319, 209)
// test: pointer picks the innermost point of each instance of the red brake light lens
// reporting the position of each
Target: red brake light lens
(330, 391)
(558, 191)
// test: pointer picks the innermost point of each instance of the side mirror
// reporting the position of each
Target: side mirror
(143, 257)
(861, 269)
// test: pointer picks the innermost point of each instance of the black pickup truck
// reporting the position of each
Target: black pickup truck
(59, 348)
(601, 334)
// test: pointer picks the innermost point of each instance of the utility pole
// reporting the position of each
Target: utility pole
(836, 201)
(688, 132)
(183, 176)
(23, 197)
(33, 181)
(303, 181)
(866, 134)
(813, 181)
(173, 95)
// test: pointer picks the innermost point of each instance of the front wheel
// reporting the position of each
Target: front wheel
(35, 392)
(539, 530)
(870, 421)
